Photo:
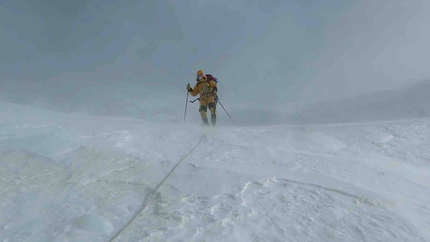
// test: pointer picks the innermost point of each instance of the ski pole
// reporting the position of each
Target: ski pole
(224, 109)
(186, 104)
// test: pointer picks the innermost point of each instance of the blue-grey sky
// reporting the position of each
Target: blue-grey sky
(264, 52)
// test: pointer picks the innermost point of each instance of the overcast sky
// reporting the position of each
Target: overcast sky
(274, 52)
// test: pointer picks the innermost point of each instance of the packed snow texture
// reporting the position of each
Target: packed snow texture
(70, 177)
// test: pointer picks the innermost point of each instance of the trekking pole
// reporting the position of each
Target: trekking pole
(186, 104)
(224, 109)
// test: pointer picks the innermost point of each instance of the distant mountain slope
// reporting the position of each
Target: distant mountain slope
(411, 102)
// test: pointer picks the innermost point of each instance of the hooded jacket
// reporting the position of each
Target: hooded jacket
(204, 87)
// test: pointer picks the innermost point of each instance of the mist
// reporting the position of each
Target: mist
(135, 58)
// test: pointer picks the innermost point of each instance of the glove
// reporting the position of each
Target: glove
(189, 88)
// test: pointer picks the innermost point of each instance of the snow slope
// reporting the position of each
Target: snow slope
(69, 177)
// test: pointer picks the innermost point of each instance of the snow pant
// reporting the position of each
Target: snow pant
(205, 103)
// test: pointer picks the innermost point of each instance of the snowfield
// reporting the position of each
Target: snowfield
(70, 177)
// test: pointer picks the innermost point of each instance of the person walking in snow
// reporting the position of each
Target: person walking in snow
(207, 89)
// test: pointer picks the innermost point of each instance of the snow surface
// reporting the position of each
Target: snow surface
(69, 177)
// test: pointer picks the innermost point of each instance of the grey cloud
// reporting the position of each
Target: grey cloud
(266, 54)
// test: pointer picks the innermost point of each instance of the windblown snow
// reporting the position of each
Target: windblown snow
(70, 177)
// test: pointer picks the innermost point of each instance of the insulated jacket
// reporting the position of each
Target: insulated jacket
(205, 88)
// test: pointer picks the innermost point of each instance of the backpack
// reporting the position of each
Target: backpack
(211, 78)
